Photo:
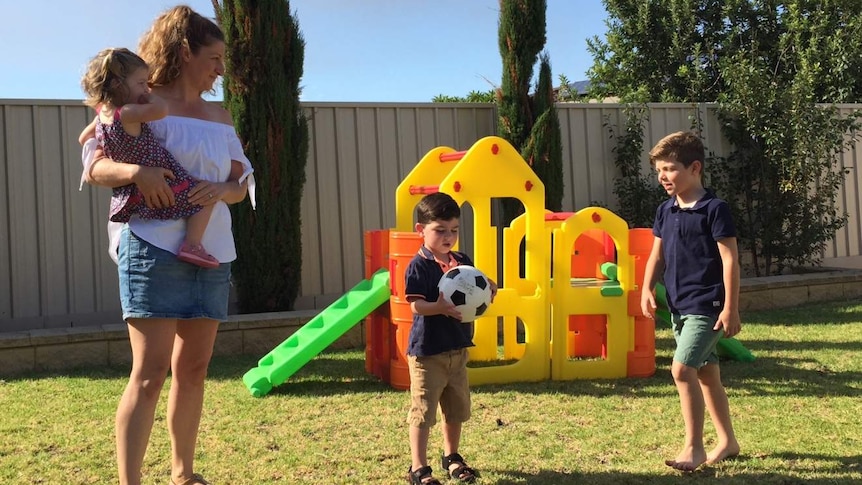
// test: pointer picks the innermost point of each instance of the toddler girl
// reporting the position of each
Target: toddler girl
(116, 87)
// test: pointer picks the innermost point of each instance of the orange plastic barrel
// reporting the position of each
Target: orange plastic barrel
(640, 245)
(587, 334)
(402, 247)
(379, 329)
(377, 323)
(641, 361)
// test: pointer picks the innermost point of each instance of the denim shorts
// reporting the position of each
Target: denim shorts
(155, 284)
(695, 339)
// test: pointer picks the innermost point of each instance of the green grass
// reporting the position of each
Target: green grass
(797, 412)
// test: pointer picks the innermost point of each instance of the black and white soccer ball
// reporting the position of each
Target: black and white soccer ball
(468, 289)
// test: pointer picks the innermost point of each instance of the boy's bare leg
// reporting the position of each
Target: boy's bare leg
(451, 440)
(719, 411)
(418, 447)
(691, 401)
(196, 225)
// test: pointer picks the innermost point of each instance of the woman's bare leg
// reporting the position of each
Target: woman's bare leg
(152, 340)
(193, 349)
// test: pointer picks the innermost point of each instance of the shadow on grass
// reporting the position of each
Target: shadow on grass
(87, 372)
(330, 373)
(824, 313)
(790, 377)
(789, 346)
(341, 372)
(851, 463)
(704, 475)
(781, 376)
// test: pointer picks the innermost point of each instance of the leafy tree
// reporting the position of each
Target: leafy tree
(565, 93)
(472, 97)
(261, 90)
(637, 193)
(658, 51)
(784, 173)
(767, 63)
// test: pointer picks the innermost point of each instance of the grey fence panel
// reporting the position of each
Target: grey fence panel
(54, 266)
(5, 226)
(389, 172)
(848, 239)
(310, 220)
(358, 155)
(52, 192)
(21, 198)
(347, 195)
(326, 127)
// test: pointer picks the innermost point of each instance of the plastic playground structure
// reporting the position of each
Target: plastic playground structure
(537, 328)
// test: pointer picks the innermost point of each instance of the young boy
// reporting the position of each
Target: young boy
(437, 350)
(695, 244)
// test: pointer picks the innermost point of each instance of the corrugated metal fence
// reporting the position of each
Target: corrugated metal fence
(54, 268)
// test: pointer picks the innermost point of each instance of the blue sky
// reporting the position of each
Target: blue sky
(356, 50)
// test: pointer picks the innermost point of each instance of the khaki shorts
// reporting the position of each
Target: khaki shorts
(439, 379)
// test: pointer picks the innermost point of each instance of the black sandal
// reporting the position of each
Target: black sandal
(463, 472)
(421, 476)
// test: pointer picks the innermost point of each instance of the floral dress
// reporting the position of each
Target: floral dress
(144, 150)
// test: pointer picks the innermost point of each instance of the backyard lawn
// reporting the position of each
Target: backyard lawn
(797, 411)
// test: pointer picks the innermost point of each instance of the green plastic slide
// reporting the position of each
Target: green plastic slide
(320, 332)
(727, 347)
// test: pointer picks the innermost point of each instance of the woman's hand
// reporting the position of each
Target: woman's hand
(153, 185)
(231, 191)
(208, 193)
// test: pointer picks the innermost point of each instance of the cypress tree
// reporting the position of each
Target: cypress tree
(530, 124)
(265, 51)
(543, 150)
(521, 38)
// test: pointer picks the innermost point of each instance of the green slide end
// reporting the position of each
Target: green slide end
(320, 332)
(727, 347)
(612, 286)
(730, 348)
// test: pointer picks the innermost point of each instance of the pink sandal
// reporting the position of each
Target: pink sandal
(197, 255)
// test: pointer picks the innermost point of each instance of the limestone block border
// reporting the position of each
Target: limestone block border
(257, 334)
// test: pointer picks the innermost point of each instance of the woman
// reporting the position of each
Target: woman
(173, 308)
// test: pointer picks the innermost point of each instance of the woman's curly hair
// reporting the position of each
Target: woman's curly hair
(105, 79)
(162, 45)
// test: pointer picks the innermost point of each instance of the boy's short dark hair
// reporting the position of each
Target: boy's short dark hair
(682, 147)
(437, 207)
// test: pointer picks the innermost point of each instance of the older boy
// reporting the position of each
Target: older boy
(695, 244)
(437, 349)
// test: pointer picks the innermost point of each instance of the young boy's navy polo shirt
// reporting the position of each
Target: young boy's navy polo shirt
(693, 272)
(433, 334)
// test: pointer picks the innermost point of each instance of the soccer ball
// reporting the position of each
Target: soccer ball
(468, 289)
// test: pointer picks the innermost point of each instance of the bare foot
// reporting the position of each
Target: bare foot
(688, 460)
(723, 451)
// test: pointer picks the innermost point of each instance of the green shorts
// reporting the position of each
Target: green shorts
(695, 339)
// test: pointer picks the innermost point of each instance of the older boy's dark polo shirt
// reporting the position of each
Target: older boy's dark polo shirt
(693, 270)
(433, 334)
